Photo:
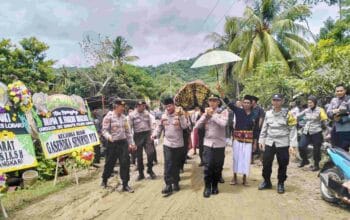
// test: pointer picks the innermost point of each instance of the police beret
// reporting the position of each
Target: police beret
(119, 102)
(141, 103)
(213, 97)
(277, 97)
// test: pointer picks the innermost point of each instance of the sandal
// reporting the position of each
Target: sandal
(233, 182)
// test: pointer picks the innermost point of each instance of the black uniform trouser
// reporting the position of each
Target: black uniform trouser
(282, 154)
(343, 140)
(143, 141)
(97, 152)
(201, 133)
(201, 149)
(213, 159)
(117, 149)
(133, 156)
(172, 163)
(186, 136)
(314, 139)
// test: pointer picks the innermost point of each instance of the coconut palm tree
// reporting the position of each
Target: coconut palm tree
(120, 51)
(268, 32)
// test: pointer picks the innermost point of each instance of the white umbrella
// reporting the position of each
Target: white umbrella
(215, 57)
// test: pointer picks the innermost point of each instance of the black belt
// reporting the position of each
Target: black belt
(142, 132)
(119, 141)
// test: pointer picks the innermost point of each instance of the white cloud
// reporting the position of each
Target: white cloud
(159, 30)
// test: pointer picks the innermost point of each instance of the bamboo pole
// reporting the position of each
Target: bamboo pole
(76, 175)
(3, 209)
(56, 171)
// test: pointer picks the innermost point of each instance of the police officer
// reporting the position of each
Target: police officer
(260, 113)
(141, 123)
(172, 124)
(339, 111)
(214, 120)
(315, 118)
(277, 135)
(119, 139)
(97, 148)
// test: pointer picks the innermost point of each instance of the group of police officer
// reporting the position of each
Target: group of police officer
(278, 134)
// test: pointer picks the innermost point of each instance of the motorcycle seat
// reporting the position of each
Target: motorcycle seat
(342, 153)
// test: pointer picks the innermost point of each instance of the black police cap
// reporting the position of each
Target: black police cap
(277, 96)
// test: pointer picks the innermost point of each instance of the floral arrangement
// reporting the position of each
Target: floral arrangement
(20, 96)
(4, 109)
(3, 186)
(84, 157)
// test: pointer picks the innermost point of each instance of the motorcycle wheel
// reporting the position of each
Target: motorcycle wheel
(327, 194)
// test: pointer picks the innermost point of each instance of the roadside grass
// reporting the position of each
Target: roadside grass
(19, 199)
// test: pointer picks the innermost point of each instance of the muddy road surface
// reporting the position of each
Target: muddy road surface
(88, 200)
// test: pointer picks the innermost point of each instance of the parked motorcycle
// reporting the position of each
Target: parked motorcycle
(335, 177)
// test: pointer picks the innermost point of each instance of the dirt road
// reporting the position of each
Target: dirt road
(89, 201)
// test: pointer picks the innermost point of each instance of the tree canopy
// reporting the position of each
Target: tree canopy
(26, 62)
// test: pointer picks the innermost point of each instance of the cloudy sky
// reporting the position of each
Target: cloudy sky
(159, 30)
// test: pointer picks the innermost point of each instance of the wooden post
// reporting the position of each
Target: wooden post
(56, 171)
(3, 209)
(75, 175)
(103, 104)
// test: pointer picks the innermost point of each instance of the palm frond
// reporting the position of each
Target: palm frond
(255, 51)
(216, 38)
(287, 25)
(251, 19)
(295, 12)
(295, 47)
(299, 39)
(272, 50)
(131, 58)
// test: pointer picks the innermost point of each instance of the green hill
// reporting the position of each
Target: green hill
(181, 69)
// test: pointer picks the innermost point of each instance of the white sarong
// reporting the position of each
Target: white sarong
(242, 155)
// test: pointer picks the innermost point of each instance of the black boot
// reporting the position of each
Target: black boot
(207, 190)
(176, 187)
(221, 180)
(104, 183)
(280, 188)
(140, 177)
(152, 174)
(214, 189)
(316, 167)
(303, 163)
(168, 190)
(201, 164)
(265, 185)
(127, 188)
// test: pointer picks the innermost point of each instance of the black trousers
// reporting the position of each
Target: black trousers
(143, 142)
(213, 159)
(186, 136)
(343, 140)
(117, 150)
(282, 154)
(201, 134)
(133, 157)
(201, 149)
(97, 152)
(314, 139)
(172, 163)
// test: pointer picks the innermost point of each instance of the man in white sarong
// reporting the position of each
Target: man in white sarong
(243, 137)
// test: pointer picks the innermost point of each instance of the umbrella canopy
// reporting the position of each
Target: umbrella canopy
(215, 57)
